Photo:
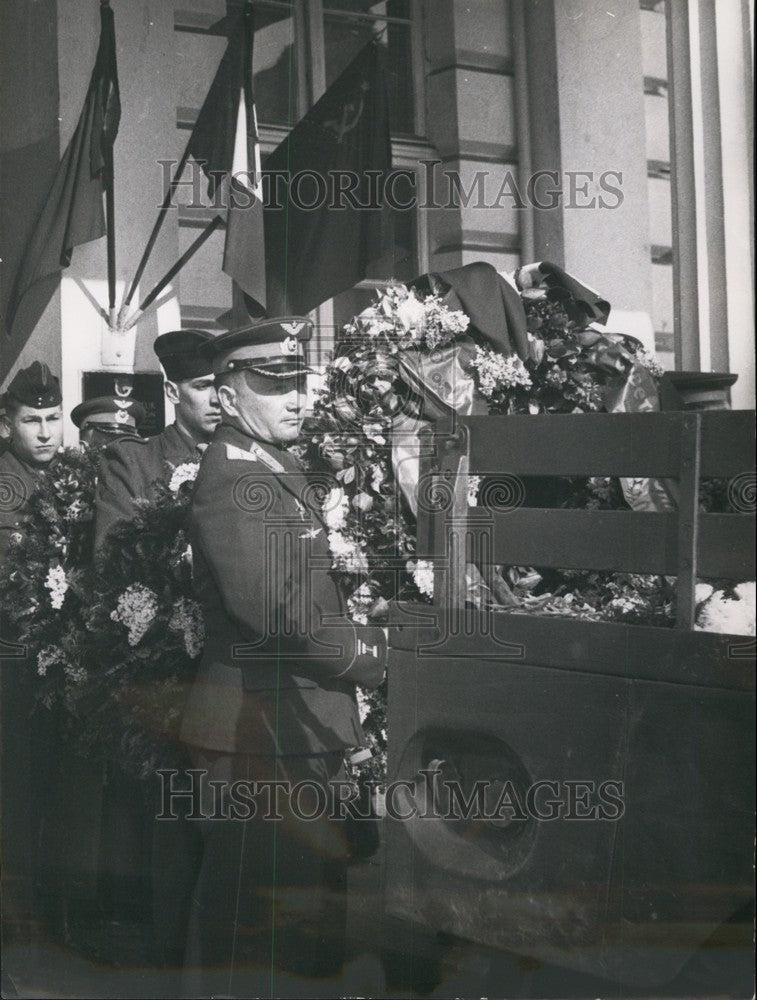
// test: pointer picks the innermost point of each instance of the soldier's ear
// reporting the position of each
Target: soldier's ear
(172, 392)
(227, 397)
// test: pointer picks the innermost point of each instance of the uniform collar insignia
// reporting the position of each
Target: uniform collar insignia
(254, 454)
(262, 456)
(240, 454)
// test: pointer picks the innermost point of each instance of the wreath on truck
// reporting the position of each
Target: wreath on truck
(114, 643)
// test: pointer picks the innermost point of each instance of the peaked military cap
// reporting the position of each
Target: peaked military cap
(179, 353)
(111, 411)
(272, 347)
(35, 386)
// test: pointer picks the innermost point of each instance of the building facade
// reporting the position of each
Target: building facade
(614, 138)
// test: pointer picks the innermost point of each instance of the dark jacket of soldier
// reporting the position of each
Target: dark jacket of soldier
(280, 662)
(129, 469)
(17, 482)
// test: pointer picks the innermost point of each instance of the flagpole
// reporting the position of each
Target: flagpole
(153, 235)
(172, 272)
(110, 229)
(110, 203)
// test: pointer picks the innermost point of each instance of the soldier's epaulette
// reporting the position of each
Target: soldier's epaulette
(239, 454)
(254, 454)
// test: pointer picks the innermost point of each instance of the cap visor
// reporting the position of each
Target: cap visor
(287, 371)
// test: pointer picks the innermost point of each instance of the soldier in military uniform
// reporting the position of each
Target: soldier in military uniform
(34, 423)
(275, 695)
(162, 859)
(103, 419)
(131, 467)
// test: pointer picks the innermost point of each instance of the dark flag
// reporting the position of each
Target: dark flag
(73, 212)
(315, 253)
(225, 144)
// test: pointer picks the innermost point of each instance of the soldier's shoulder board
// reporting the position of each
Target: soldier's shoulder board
(239, 454)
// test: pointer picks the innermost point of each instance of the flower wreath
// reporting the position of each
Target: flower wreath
(114, 641)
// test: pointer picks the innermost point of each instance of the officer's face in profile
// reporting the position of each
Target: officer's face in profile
(271, 409)
(35, 434)
(197, 403)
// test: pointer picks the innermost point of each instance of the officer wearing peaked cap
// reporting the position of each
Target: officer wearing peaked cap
(131, 467)
(104, 418)
(274, 699)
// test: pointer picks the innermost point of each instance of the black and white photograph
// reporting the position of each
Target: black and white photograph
(377, 499)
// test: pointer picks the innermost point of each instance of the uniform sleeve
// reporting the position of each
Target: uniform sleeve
(119, 481)
(283, 599)
(17, 490)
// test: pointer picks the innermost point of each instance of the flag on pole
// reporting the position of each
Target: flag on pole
(226, 145)
(73, 212)
(319, 243)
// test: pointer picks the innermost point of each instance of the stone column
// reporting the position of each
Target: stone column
(471, 122)
(586, 116)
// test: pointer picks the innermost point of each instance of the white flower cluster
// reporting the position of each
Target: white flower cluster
(363, 705)
(47, 657)
(403, 317)
(136, 610)
(495, 372)
(422, 572)
(184, 473)
(75, 510)
(335, 509)
(411, 314)
(441, 323)
(186, 618)
(348, 555)
(360, 603)
(718, 613)
(57, 584)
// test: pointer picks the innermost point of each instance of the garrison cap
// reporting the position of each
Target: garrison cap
(179, 353)
(271, 347)
(111, 411)
(35, 386)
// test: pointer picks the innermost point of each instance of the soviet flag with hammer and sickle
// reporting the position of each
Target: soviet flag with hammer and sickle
(320, 242)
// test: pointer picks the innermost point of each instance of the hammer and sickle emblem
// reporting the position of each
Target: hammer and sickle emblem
(289, 345)
(352, 112)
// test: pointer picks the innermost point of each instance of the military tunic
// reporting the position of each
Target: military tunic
(274, 701)
(26, 753)
(130, 467)
(17, 482)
